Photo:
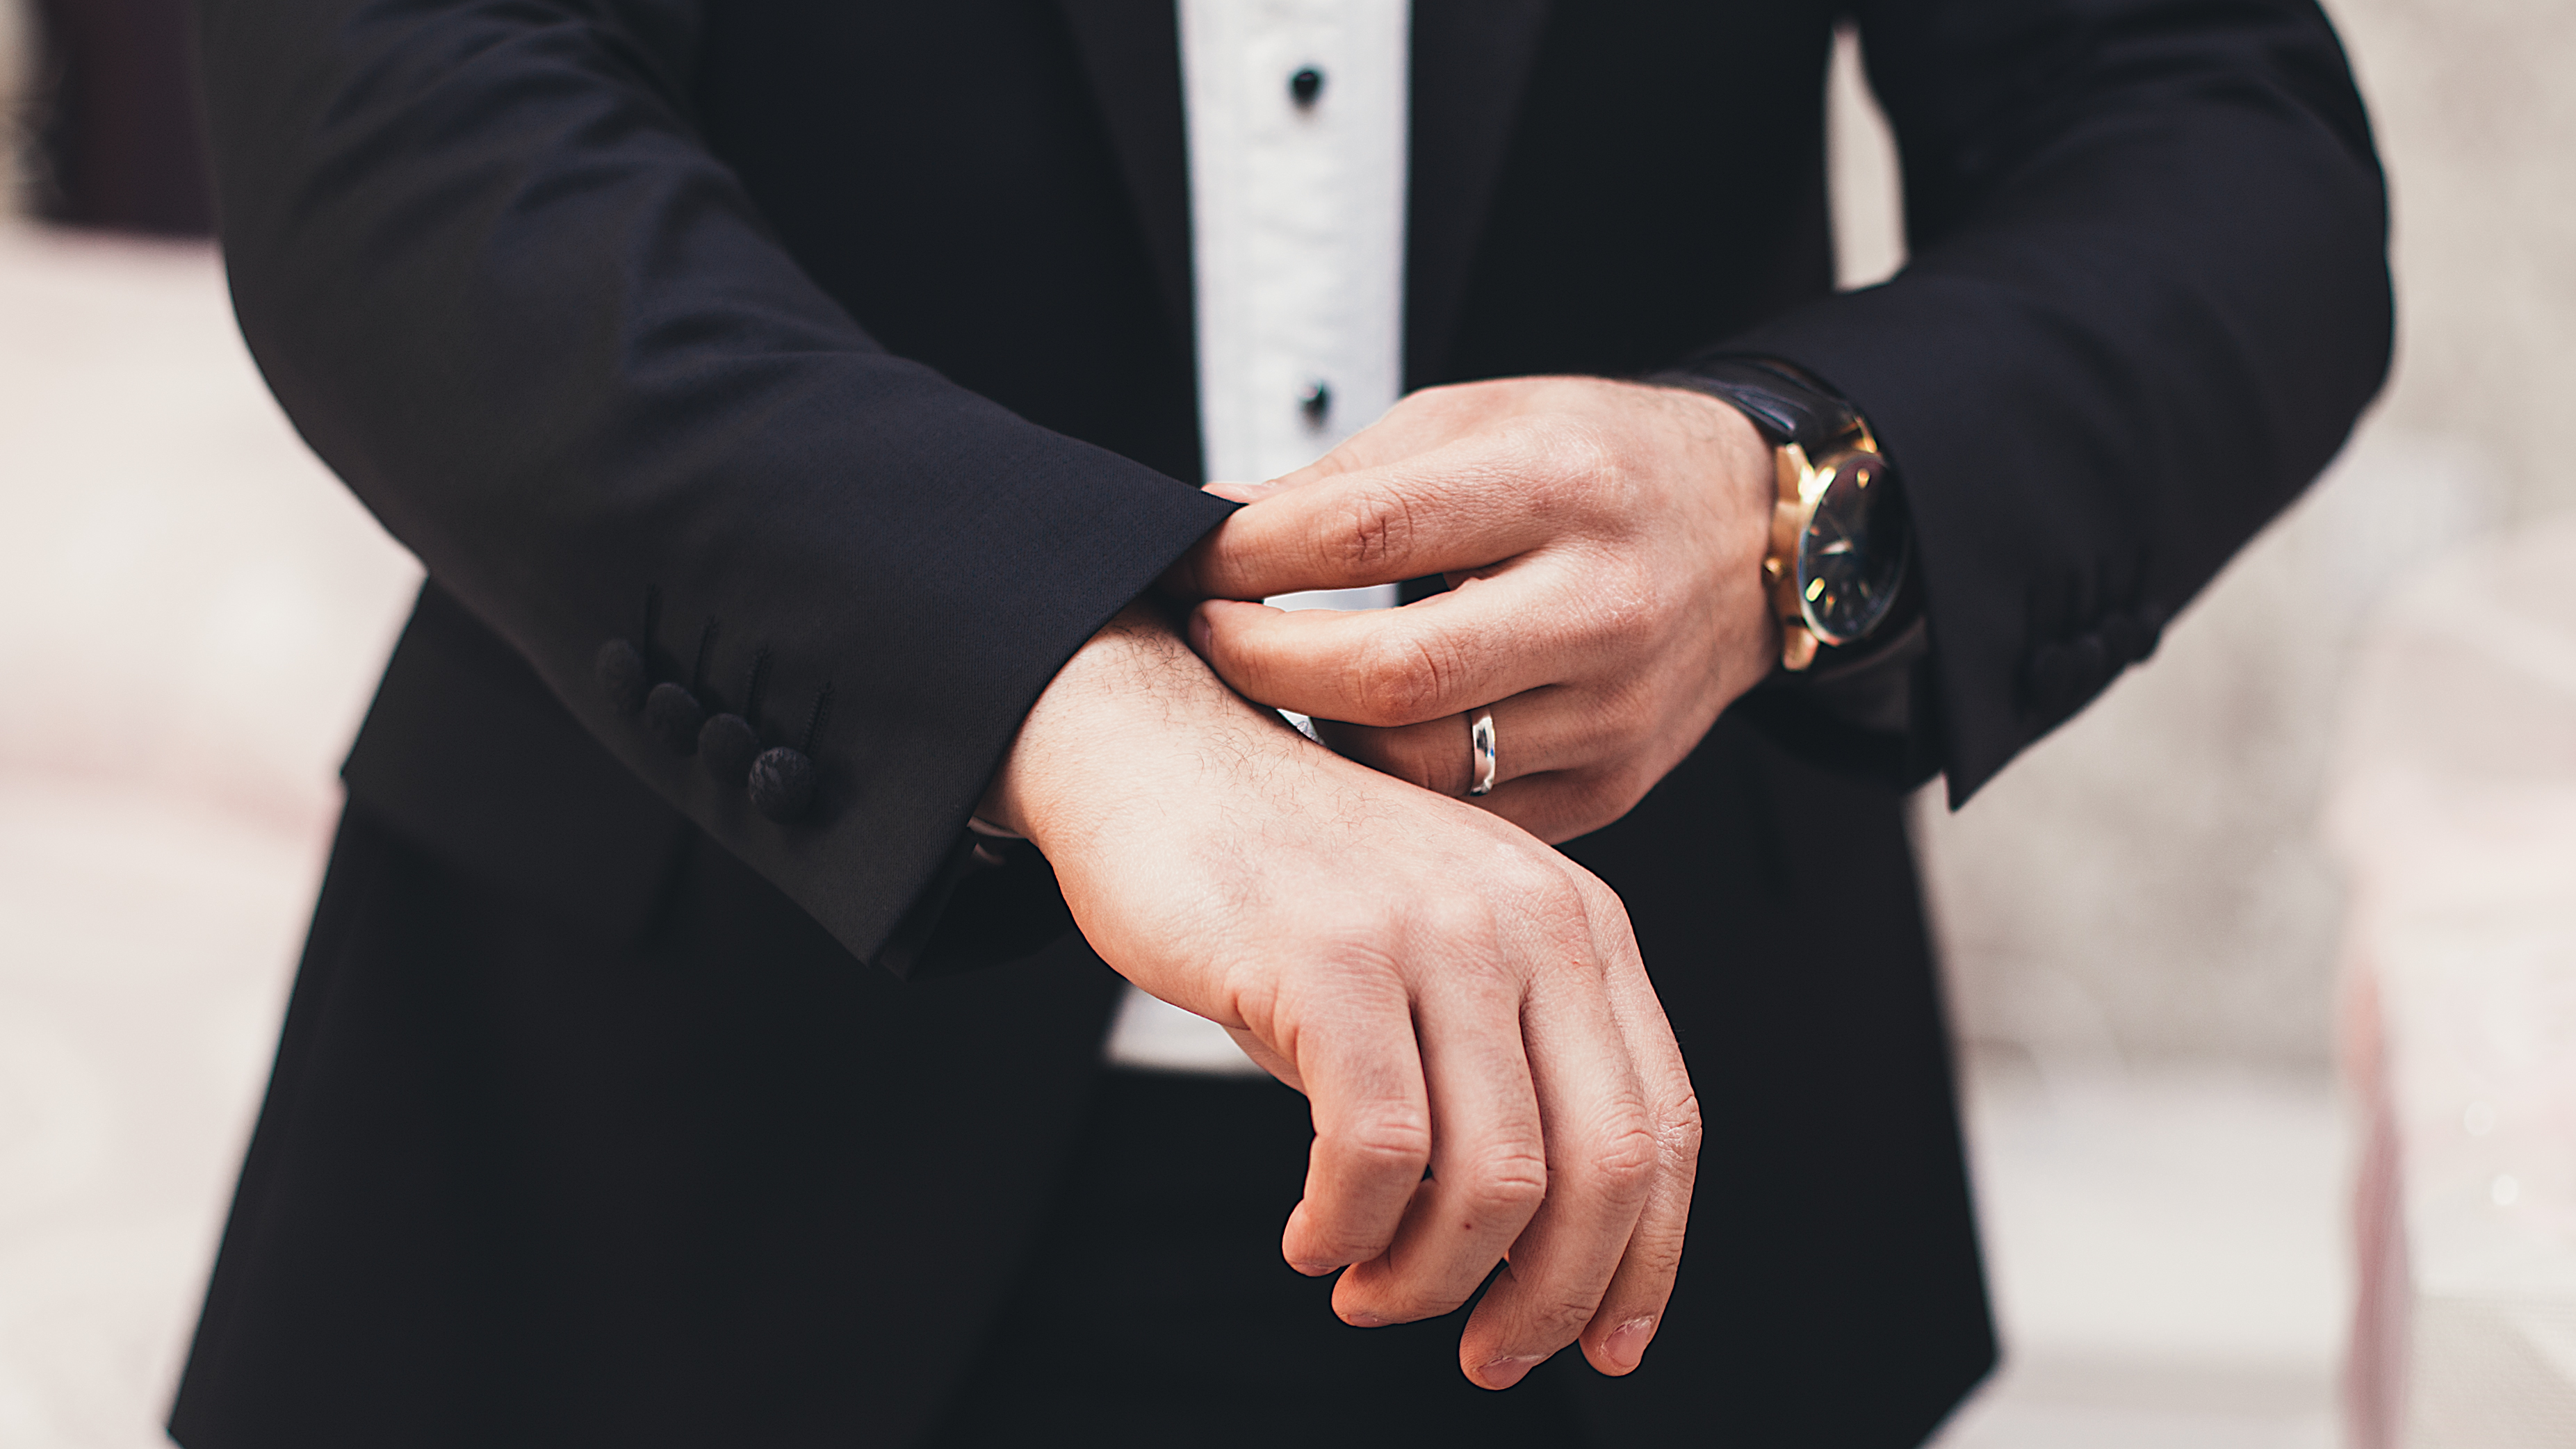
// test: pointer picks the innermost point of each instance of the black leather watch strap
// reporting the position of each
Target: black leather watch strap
(1782, 407)
(1864, 707)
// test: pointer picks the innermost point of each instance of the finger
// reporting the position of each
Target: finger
(1469, 503)
(1632, 1308)
(1488, 639)
(1384, 443)
(1558, 805)
(1555, 727)
(1418, 423)
(1488, 1157)
(1602, 1161)
(1362, 1074)
(1562, 804)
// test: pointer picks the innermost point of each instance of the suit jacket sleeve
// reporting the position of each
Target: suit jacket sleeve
(2148, 297)
(504, 290)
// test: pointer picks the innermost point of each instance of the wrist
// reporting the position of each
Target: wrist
(1733, 477)
(1133, 716)
(1841, 540)
(1736, 462)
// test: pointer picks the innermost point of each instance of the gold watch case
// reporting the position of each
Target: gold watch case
(1837, 555)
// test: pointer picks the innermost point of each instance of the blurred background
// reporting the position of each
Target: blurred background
(2260, 968)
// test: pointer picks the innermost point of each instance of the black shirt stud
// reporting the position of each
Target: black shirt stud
(1305, 85)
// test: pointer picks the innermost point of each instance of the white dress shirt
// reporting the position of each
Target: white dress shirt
(1297, 132)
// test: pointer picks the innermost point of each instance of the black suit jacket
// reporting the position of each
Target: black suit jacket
(859, 335)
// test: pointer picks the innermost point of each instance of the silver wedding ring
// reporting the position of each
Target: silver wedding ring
(1480, 744)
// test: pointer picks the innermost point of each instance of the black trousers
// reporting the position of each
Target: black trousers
(1156, 1309)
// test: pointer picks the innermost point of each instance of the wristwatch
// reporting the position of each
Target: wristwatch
(1839, 535)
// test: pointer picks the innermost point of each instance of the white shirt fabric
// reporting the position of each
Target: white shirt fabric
(1297, 236)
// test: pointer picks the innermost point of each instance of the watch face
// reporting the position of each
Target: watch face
(1852, 557)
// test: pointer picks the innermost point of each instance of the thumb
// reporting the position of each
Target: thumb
(1244, 492)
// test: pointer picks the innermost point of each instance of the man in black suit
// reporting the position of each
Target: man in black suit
(793, 404)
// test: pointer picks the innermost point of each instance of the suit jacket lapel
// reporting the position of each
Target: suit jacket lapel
(1132, 52)
(1471, 59)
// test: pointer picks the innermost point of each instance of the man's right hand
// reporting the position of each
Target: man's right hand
(1447, 991)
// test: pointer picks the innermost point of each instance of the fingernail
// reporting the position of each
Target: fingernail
(1362, 1318)
(1508, 1370)
(1200, 631)
(1627, 1343)
(1315, 1270)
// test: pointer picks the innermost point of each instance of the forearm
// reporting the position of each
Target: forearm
(499, 281)
(2147, 300)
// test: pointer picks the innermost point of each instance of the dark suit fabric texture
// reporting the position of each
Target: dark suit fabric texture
(857, 336)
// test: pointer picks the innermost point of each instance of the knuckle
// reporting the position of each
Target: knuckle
(1553, 898)
(1379, 528)
(1560, 1320)
(1577, 455)
(1600, 902)
(1527, 876)
(1631, 621)
(1564, 935)
(1452, 915)
(1400, 676)
(1416, 768)
(1395, 1141)
(1624, 710)
(1507, 1183)
(1540, 897)
(1649, 600)
(1678, 1134)
(1628, 1157)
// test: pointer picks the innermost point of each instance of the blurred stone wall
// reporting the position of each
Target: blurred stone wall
(16, 61)
(2150, 880)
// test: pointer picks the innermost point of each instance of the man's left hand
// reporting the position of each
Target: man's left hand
(1603, 543)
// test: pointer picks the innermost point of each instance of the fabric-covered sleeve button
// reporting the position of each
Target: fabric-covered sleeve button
(620, 672)
(782, 783)
(727, 744)
(674, 714)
